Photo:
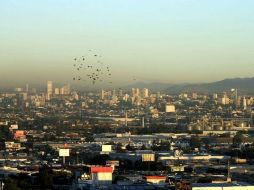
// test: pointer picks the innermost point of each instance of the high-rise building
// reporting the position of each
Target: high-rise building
(102, 94)
(120, 93)
(145, 93)
(244, 103)
(67, 89)
(34, 91)
(135, 92)
(27, 87)
(114, 93)
(215, 96)
(61, 91)
(57, 91)
(225, 100)
(49, 89)
(234, 96)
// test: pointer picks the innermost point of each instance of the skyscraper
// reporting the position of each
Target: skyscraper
(244, 103)
(67, 89)
(145, 93)
(49, 89)
(57, 91)
(234, 96)
(102, 94)
(135, 92)
(27, 87)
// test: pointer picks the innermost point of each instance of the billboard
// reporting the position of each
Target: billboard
(106, 148)
(64, 152)
(148, 157)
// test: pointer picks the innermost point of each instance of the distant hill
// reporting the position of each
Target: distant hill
(155, 86)
(244, 85)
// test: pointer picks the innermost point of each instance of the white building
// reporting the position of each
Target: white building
(101, 175)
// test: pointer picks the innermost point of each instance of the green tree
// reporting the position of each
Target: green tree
(45, 177)
(11, 184)
(238, 139)
(99, 159)
(195, 142)
(119, 148)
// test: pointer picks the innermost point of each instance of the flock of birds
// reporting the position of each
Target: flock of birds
(91, 68)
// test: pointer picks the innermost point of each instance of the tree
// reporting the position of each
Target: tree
(99, 159)
(45, 177)
(238, 139)
(89, 139)
(119, 148)
(195, 142)
(129, 147)
(143, 147)
(125, 164)
(11, 184)
(5, 133)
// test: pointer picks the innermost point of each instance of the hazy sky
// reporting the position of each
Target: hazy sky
(170, 41)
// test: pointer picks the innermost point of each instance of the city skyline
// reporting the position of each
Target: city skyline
(134, 94)
(163, 41)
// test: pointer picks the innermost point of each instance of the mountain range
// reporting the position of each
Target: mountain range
(244, 85)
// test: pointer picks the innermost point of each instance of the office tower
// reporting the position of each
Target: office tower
(225, 100)
(133, 92)
(158, 94)
(234, 96)
(62, 91)
(244, 103)
(67, 89)
(215, 96)
(27, 87)
(49, 89)
(121, 93)
(102, 94)
(145, 93)
(34, 91)
(57, 91)
(137, 92)
(114, 93)
(24, 96)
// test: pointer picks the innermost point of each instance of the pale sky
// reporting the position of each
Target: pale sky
(170, 41)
